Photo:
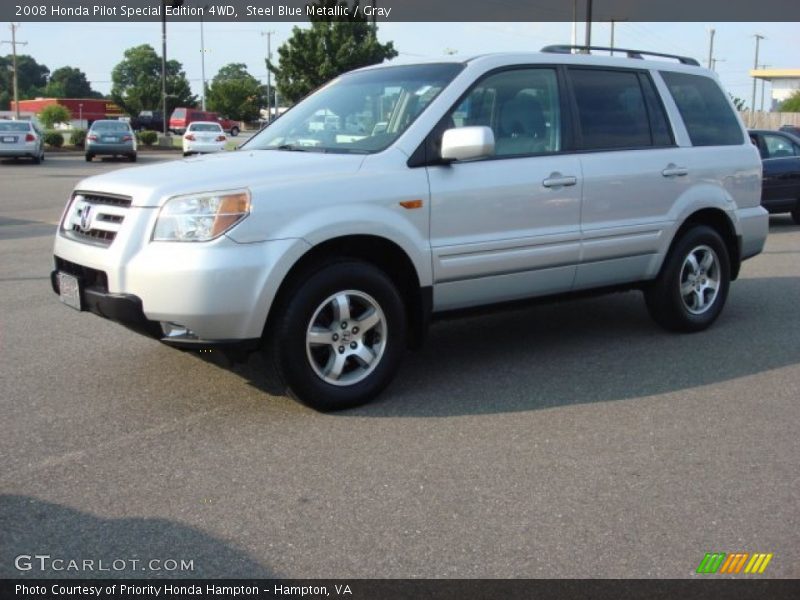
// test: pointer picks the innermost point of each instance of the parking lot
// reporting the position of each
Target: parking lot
(574, 439)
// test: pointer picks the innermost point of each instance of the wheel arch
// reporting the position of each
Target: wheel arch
(718, 220)
(378, 251)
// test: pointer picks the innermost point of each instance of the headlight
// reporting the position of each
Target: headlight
(201, 217)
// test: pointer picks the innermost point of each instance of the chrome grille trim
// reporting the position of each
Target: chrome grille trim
(106, 214)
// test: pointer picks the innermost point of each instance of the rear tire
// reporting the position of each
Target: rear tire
(691, 289)
(339, 335)
(132, 157)
(36, 159)
(89, 157)
(234, 131)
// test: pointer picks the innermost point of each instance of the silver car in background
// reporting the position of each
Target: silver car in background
(110, 138)
(21, 139)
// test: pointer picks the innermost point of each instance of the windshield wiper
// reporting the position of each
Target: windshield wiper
(296, 148)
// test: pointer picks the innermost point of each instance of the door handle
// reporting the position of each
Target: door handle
(558, 180)
(674, 171)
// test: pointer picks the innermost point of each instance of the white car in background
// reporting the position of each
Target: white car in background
(202, 137)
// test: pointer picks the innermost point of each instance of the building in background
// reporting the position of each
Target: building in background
(785, 82)
(83, 111)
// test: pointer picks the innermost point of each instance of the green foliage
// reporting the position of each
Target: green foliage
(32, 77)
(236, 94)
(55, 113)
(311, 57)
(77, 138)
(792, 103)
(136, 82)
(69, 82)
(737, 102)
(54, 139)
(148, 138)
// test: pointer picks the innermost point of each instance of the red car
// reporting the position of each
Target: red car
(181, 117)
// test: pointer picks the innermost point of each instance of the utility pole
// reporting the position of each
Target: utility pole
(164, 117)
(574, 23)
(711, 33)
(755, 66)
(588, 23)
(203, 60)
(14, 43)
(612, 37)
(269, 35)
(763, 84)
(714, 62)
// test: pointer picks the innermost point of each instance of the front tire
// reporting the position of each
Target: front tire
(339, 335)
(691, 290)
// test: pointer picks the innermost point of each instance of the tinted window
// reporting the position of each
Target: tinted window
(179, 113)
(521, 107)
(196, 116)
(611, 109)
(778, 146)
(706, 112)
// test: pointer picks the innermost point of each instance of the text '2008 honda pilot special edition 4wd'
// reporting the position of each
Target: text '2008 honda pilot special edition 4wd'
(426, 188)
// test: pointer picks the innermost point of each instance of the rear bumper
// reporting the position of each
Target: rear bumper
(18, 151)
(110, 149)
(753, 226)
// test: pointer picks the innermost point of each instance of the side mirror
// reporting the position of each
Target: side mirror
(467, 143)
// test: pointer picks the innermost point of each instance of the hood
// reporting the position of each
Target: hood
(150, 185)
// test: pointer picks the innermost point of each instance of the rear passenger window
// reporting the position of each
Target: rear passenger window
(705, 111)
(611, 109)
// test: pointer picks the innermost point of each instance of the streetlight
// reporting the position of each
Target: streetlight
(203, 60)
(174, 4)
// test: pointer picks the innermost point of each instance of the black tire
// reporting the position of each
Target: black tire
(36, 159)
(132, 157)
(301, 303)
(89, 157)
(234, 131)
(664, 299)
(796, 213)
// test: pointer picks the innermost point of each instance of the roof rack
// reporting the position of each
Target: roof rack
(566, 49)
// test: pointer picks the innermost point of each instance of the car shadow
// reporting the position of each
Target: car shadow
(578, 351)
(35, 527)
(782, 223)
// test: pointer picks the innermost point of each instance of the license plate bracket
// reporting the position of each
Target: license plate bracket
(69, 290)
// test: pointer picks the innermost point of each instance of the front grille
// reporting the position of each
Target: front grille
(91, 278)
(95, 218)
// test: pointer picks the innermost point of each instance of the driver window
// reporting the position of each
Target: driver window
(520, 106)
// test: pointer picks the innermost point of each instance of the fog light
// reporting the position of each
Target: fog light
(176, 331)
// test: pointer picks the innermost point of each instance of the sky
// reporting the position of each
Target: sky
(96, 47)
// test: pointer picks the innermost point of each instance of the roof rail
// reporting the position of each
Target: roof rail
(566, 49)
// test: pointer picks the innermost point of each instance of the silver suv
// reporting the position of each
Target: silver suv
(429, 188)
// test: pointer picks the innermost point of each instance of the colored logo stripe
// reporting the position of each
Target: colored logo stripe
(733, 563)
(758, 563)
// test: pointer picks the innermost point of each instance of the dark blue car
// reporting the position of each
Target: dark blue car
(780, 155)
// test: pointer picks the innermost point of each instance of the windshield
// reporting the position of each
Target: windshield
(358, 113)
(204, 127)
(110, 126)
(14, 126)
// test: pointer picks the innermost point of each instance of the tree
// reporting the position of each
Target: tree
(69, 82)
(136, 82)
(235, 93)
(332, 46)
(55, 113)
(792, 103)
(31, 77)
(737, 102)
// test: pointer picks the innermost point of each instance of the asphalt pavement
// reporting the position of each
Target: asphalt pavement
(574, 439)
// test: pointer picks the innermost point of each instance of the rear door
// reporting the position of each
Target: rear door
(507, 227)
(632, 171)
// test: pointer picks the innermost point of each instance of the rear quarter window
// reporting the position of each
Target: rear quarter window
(707, 114)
